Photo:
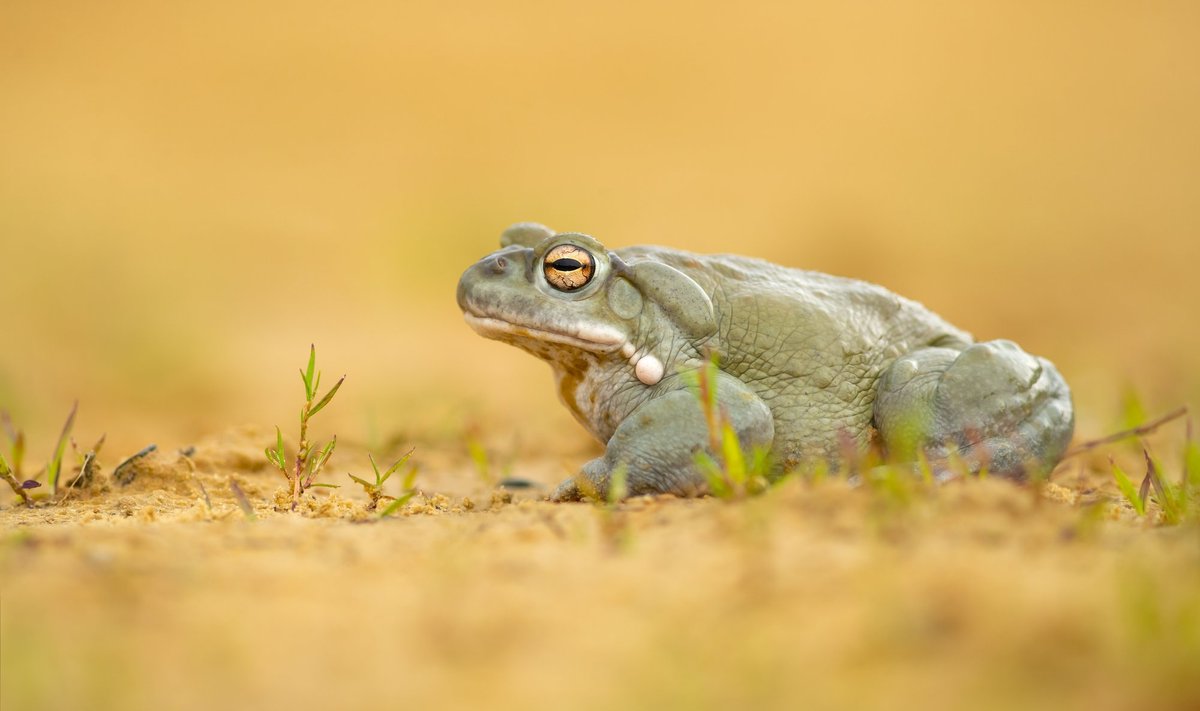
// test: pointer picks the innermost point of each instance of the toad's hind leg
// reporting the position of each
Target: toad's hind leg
(992, 403)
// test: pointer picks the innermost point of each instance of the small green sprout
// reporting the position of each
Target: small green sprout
(481, 460)
(375, 490)
(614, 522)
(54, 468)
(492, 468)
(618, 485)
(489, 470)
(730, 476)
(11, 471)
(1128, 490)
(307, 466)
(407, 487)
(1178, 502)
(18, 487)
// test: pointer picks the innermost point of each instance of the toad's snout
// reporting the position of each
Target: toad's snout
(488, 274)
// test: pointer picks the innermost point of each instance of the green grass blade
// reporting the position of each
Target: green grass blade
(396, 504)
(271, 456)
(718, 485)
(316, 464)
(618, 485)
(758, 477)
(307, 374)
(279, 453)
(396, 465)
(55, 467)
(276, 456)
(1144, 490)
(479, 457)
(731, 452)
(410, 479)
(1127, 489)
(1166, 494)
(328, 397)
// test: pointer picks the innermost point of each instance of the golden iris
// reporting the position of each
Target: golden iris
(568, 267)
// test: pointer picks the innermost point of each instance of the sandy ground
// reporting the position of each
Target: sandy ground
(192, 193)
(976, 594)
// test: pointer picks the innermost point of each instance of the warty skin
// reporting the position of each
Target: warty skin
(809, 362)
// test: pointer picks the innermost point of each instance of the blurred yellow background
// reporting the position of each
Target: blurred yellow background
(192, 193)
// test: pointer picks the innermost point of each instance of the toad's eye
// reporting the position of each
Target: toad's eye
(568, 267)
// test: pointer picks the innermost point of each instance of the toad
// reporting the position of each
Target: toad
(808, 363)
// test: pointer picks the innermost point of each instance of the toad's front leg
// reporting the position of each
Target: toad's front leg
(658, 442)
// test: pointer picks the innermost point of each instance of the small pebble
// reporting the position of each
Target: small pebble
(518, 483)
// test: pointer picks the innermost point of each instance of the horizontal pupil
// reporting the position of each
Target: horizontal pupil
(566, 265)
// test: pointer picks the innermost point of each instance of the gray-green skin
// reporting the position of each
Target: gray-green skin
(809, 364)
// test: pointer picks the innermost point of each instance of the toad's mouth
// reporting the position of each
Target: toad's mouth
(598, 339)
